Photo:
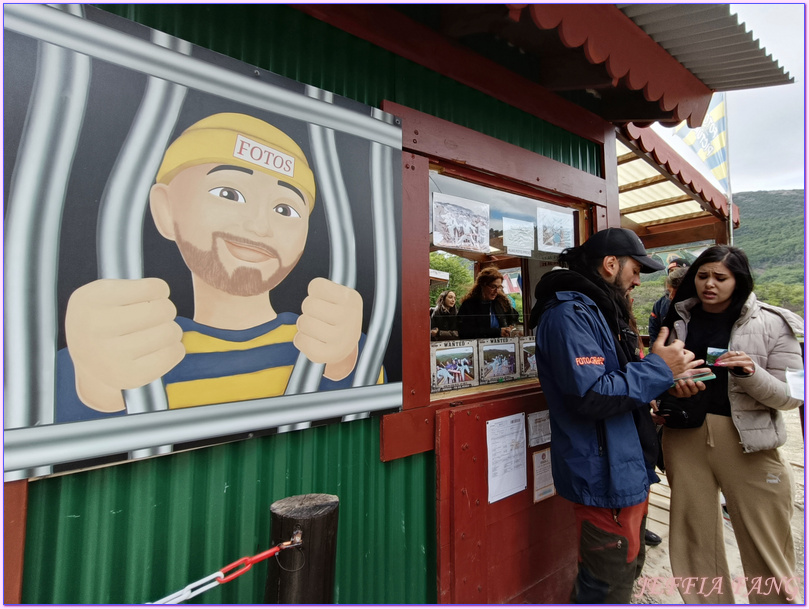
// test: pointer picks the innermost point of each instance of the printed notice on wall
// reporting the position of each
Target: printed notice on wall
(539, 428)
(543, 476)
(505, 445)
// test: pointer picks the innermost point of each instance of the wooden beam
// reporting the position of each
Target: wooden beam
(694, 220)
(609, 160)
(415, 294)
(642, 183)
(389, 29)
(627, 158)
(563, 77)
(638, 229)
(679, 235)
(440, 139)
(657, 204)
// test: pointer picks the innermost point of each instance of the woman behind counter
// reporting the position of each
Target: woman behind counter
(735, 448)
(485, 312)
(444, 320)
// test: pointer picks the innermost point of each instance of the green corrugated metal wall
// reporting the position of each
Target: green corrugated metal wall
(139, 531)
(286, 41)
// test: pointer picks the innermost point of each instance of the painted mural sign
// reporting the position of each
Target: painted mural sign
(194, 248)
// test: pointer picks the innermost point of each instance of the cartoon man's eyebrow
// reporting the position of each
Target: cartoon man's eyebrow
(231, 168)
(293, 189)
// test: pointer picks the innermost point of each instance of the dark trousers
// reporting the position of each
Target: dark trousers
(611, 553)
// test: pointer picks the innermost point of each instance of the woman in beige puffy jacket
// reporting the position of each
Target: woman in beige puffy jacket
(727, 436)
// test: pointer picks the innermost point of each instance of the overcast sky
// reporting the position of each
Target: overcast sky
(766, 125)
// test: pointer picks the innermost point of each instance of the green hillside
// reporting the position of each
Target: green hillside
(772, 235)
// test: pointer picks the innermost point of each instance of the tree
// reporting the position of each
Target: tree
(460, 274)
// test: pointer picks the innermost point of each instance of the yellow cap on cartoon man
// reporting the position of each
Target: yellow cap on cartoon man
(243, 141)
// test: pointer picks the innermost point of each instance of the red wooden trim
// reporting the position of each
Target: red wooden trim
(509, 551)
(608, 36)
(684, 232)
(441, 139)
(15, 506)
(690, 224)
(470, 504)
(412, 431)
(415, 285)
(445, 523)
(464, 172)
(391, 30)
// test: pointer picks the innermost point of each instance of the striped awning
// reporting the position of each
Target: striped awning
(661, 196)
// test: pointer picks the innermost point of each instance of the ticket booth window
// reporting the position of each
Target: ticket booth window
(474, 226)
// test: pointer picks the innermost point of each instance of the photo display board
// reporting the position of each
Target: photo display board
(469, 217)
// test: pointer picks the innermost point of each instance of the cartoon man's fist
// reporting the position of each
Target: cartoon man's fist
(121, 334)
(329, 327)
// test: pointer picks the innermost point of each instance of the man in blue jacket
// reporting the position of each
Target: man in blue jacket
(604, 444)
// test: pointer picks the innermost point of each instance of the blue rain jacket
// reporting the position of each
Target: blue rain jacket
(596, 452)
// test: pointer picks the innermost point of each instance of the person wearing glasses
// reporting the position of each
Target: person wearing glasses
(485, 311)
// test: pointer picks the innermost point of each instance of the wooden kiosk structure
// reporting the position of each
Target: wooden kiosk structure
(543, 102)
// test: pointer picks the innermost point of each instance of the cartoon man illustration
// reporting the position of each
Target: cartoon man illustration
(235, 194)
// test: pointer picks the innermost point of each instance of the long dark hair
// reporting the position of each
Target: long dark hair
(487, 277)
(441, 307)
(737, 263)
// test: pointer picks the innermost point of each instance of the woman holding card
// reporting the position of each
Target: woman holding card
(727, 437)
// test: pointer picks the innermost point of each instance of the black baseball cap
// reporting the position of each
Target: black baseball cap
(621, 242)
(677, 263)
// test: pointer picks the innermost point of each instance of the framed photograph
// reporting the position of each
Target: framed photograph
(460, 223)
(497, 359)
(528, 360)
(168, 213)
(453, 364)
(554, 228)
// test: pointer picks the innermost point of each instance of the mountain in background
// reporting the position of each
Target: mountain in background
(772, 234)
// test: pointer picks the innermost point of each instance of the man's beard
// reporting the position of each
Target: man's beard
(207, 265)
(621, 298)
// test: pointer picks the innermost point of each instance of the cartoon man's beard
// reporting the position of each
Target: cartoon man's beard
(243, 281)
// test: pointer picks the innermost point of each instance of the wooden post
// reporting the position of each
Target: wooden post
(303, 575)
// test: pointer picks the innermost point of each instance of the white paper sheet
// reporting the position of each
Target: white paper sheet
(795, 382)
(543, 475)
(505, 445)
(539, 428)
